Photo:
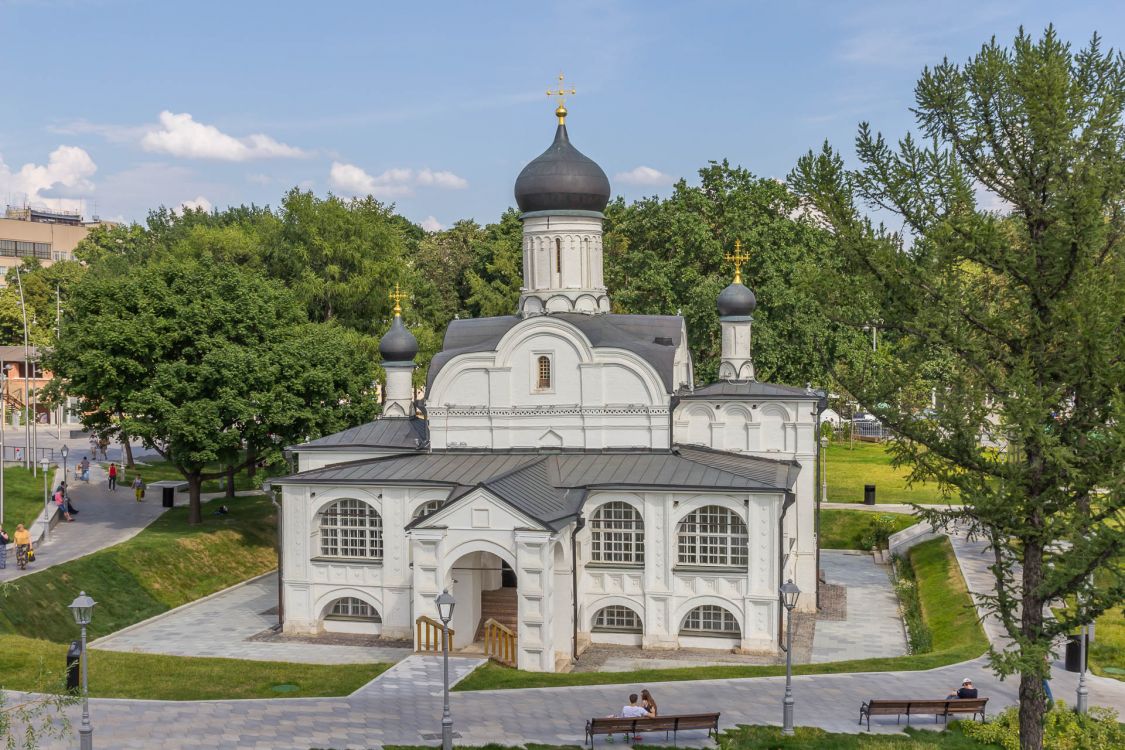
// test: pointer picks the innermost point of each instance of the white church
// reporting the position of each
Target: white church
(565, 478)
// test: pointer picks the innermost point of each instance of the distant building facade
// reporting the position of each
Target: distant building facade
(47, 236)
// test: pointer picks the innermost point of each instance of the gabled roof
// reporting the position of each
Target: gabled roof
(654, 338)
(386, 432)
(551, 487)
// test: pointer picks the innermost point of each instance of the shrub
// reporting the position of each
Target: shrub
(906, 586)
(879, 531)
(1063, 729)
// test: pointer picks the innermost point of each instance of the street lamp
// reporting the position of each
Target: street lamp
(789, 594)
(445, 603)
(83, 610)
(65, 451)
(46, 499)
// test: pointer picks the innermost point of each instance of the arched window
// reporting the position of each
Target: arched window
(558, 257)
(710, 620)
(428, 508)
(617, 534)
(543, 370)
(350, 608)
(351, 528)
(617, 619)
(713, 535)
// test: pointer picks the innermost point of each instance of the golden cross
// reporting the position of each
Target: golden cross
(737, 258)
(397, 297)
(561, 94)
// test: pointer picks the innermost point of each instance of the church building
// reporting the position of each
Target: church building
(565, 478)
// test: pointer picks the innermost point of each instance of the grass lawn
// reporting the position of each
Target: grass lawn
(956, 637)
(168, 564)
(23, 497)
(849, 529)
(870, 463)
(29, 663)
(155, 470)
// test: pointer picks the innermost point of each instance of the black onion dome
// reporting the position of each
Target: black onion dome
(398, 344)
(562, 179)
(736, 301)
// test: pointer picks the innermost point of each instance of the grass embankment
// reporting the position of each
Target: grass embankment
(168, 564)
(855, 529)
(23, 496)
(849, 468)
(156, 470)
(946, 607)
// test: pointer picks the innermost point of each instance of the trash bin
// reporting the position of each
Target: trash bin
(868, 494)
(1074, 653)
(168, 496)
(73, 656)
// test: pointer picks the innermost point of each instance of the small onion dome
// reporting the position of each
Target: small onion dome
(398, 344)
(562, 179)
(736, 301)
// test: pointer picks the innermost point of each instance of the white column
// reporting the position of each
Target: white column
(533, 580)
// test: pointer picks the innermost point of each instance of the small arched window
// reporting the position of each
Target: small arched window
(427, 508)
(710, 620)
(713, 535)
(617, 534)
(558, 256)
(351, 528)
(617, 619)
(350, 608)
(543, 372)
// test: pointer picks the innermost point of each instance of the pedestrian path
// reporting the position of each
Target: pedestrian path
(104, 519)
(872, 627)
(419, 675)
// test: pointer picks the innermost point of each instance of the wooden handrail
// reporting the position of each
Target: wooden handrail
(500, 642)
(430, 635)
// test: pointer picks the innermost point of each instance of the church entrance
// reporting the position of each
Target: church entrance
(486, 618)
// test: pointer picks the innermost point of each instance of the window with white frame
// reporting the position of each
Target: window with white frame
(617, 534)
(710, 620)
(350, 608)
(618, 619)
(351, 528)
(428, 508)
(713, 536)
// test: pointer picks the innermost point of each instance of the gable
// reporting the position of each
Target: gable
(479, 509)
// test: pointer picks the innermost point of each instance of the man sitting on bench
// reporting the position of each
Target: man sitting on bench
(632, 711)
(965, 691)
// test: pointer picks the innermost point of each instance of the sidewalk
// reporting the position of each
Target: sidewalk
(104, 519)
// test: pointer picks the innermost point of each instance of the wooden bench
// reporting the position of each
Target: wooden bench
(936, 708)
(666, 724)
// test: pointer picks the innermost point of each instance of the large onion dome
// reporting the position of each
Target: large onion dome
(398, 344)
(736, 301)
(562, 179)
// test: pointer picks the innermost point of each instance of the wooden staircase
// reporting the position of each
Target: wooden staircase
(500, 605)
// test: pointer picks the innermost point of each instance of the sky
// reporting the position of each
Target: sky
(116, 107)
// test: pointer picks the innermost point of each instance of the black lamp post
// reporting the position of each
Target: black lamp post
(789, 594)
(65, 451)
(445, 603)
(83, 610)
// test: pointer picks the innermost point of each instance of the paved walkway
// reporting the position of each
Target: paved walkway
(873, 627)
(222, 624)
(104, 519)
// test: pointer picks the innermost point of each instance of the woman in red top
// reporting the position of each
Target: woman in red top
(113, 477)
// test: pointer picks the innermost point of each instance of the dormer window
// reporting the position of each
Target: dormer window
(543, 373)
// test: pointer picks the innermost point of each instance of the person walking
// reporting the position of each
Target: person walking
(113, 477)
(86, 467)
(4, 539)
(23, 546)
(139, 489)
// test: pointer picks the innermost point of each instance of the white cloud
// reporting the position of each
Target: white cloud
(196, 203)
(398, 181)
(180, 135)
(431, 224)
(63, 180)
(646, 176)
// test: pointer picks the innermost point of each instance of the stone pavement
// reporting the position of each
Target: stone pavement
(873, 627)
(221, 624)
(104, 519)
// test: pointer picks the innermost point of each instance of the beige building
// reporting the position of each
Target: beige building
(46, 235)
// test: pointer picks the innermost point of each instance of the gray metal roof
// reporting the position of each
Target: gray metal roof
(388, 432)
(654, 338)
(551, 487)
(749, 389)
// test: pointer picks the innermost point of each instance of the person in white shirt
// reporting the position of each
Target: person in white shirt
(633, 711)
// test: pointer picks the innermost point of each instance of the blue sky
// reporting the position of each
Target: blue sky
(436, 106)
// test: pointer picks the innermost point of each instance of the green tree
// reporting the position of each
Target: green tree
(497, 270)
(204, 362)
(1023, 303)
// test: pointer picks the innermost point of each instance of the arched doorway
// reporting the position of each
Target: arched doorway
(485, 587)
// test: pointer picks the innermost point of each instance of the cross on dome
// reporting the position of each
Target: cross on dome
(560, 112)
(397, 297)
(737, 258)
